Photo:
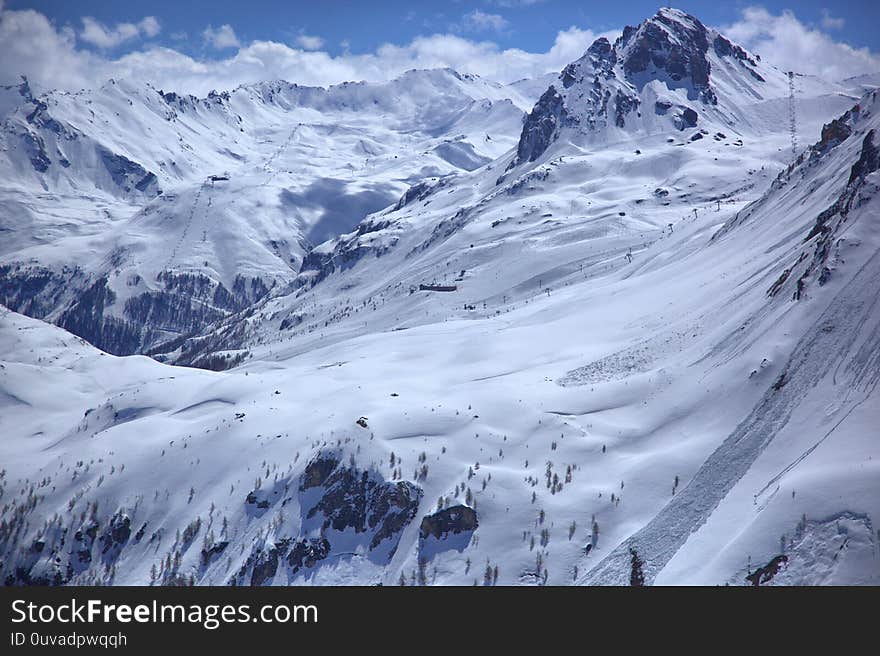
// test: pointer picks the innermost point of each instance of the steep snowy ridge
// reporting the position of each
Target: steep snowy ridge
(637, 350)
(827, 388)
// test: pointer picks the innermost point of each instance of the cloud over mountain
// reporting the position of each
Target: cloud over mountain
(32, 45)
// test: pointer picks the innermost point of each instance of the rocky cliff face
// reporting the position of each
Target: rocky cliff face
(541, 126)
(672, 47)
(606, 87)
(343, 509)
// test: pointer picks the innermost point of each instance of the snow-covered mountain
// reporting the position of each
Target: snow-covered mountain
(637, 335)
(139, 216)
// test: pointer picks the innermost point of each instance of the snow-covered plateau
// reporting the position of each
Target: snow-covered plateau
(621, 323)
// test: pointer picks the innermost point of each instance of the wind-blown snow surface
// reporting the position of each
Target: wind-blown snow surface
(612, 370)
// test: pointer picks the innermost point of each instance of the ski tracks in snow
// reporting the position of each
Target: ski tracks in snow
(186, 227)
(854, 313)
(267, 165)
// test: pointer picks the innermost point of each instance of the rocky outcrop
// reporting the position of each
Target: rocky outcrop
(348, 249)
(449, 521)
(307, 553)
(829, 223)
(835, 133)
(128, 175)
(724, 48)
(766, 573)
(540, 127)
(420, 191)
(869, 159)
(671, 44)
(115, 535)
(357, 499)
(339, 504)
(35, 148)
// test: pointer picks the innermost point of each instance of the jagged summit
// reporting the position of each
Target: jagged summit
(660, 75)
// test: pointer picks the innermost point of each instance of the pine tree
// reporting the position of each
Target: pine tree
(636, 575)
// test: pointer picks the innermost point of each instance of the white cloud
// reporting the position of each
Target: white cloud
(33, 46)
(150, 26)
(478, 21)
(787, 43)
(221, 38)
(829, 22)
(102, 36)
(309, 42)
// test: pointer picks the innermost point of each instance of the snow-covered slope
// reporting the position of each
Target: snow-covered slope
(577, 194)
(636, 347)
(137, 216)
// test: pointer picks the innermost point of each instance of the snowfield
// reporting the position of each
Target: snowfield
(486, 347)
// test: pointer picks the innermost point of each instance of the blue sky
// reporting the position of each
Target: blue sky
(195, 46)
(363, 26)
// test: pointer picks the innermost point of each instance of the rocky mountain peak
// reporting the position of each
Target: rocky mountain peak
(670, 45)
(672, 52)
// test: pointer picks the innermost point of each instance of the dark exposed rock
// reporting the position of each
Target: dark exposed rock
(214, 550)
(688, 117)
(661, 107)
(85, 535)
(724, 48)
(420, 191)
(340, 498)
(347, 251)
(117, 532)
(357, 499)
(254, 500)
(766, 573)
(126, 173)
(265, 566)
(307, 553)
(601, 56)
(869, 159)
(36, 150)
(603, 87)
(601, 47)
(834, 133)
(830, 221)
(673, 43)
(455, 519)
(317, 472)
(623, 105)
(540, 127)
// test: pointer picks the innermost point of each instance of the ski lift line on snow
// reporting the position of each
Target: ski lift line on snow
(792, 114)
(186, 228)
